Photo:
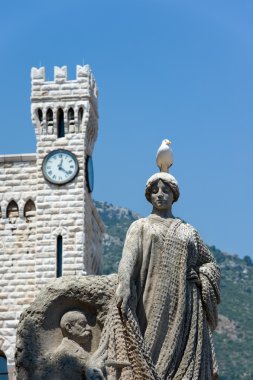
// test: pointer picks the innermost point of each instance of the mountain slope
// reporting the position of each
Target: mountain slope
(234, 337)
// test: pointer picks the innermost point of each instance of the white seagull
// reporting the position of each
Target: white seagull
(164, 156)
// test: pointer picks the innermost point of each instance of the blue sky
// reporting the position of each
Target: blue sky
(181, 70)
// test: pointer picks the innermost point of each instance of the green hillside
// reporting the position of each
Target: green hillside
(234, 336)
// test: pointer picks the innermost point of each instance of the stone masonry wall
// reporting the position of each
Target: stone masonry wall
(60, 211)
(17, 245)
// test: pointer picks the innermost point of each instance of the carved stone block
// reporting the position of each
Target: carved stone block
(61, 329)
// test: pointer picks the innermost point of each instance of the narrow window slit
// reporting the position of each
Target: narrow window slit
(59, 256)
(60, 123)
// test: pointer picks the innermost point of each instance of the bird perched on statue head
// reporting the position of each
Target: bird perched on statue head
(164, 156)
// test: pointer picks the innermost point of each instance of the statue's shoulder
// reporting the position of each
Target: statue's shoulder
(137, 225)
(191, 233)
(187, 228)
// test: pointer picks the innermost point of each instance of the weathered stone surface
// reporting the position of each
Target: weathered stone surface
(167, 294)
(41, 351)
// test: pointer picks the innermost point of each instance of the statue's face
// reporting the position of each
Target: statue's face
(79, 330)
(161, 196)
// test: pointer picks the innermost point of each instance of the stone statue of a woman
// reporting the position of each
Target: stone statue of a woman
(167, 294)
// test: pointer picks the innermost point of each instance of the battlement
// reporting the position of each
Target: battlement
(61, 88)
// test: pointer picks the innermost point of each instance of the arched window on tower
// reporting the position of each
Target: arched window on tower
(40, 114)
(50, 117)
(59, 256)
(80, 115)
(12, 211)
(3, 367)
(71, 116)
(0, 213)
(29, 211)
(60, 123)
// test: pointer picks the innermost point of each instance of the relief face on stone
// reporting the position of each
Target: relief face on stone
(76, 344)
(73, 358)
(75, 328)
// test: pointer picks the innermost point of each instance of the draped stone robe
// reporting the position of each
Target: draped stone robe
(171, 314)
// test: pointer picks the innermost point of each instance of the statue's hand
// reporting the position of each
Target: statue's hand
(122, 297)
(192, 276)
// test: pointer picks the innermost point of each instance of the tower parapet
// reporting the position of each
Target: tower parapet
(73, 97)
(84, 84)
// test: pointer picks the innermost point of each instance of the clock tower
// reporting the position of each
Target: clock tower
(68, 228)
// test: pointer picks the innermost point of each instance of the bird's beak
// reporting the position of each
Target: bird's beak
(168, 142)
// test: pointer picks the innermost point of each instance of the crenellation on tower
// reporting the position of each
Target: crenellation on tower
(60, 74)
(38, 74)
(84, 85)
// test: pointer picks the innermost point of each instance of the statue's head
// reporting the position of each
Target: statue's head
(74, 325)
(165, 183)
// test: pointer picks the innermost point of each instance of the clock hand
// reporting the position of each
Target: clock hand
(60, 164)
(61, 168)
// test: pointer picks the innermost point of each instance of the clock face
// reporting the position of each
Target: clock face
(60, 166)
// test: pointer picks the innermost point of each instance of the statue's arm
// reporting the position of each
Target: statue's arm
(209, 275)
(129, 266)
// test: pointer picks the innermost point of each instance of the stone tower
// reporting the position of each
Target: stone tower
(49, 226)
(64, 113)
